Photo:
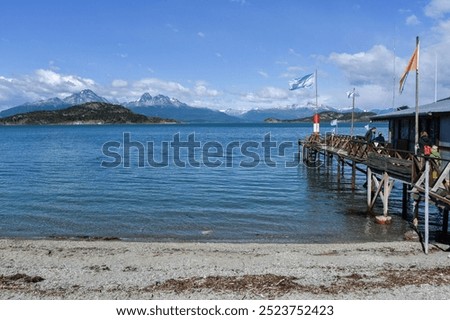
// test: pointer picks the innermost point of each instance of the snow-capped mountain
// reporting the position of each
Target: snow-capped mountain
(284, 113)
(165, 107)
(55, 103)
(157, 106)
(235, 112)
(171, 108)
(83, 97)
(146, 100)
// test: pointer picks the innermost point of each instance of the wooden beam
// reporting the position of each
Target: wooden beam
(379, 186)
(387, 191)
(369, 188)
(353, 175)
(405, 201)
(440, 181)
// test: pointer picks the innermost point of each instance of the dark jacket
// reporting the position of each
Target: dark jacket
(370, 135)
(424, 141)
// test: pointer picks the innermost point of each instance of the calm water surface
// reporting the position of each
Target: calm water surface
(53, 183)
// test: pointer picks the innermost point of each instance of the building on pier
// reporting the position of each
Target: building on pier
(424, 178)
(434, 118)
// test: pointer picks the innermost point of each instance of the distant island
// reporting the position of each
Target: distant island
(87, 113)
(329, 116)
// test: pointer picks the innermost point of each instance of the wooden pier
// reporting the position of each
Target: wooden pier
(383, 166)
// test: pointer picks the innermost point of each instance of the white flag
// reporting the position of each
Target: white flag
(304, 82)
(353, 93)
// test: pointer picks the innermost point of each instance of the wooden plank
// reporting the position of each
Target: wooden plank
(444, 175)
(434, 195)
(394, 166)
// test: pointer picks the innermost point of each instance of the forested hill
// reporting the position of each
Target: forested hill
(87, 113)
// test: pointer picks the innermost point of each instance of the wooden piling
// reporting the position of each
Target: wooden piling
(369, 188)
(338, 170)
(386, 194)
(405, 201)
(383, 167)
(353, 175)
(416, 210)
(445, 221)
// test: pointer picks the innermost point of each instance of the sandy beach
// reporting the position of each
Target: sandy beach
(83, 269)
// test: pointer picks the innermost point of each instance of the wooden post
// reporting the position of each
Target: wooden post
(353, 175)
(339, 170)
(416, 210)
(445, 221)
(305, 154)
(427, 194)
(405, 202)
(386, 194)
(369, 187)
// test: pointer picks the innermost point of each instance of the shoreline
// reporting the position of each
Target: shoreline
(80, 269)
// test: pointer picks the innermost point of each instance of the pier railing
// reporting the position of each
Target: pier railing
(380, 157)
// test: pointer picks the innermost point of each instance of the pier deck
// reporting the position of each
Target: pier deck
(383, 166)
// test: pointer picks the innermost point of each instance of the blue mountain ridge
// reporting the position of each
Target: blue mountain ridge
(165, 107)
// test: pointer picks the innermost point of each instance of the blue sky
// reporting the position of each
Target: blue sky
(223, 54)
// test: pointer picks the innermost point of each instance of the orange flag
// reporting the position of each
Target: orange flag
(412, 65)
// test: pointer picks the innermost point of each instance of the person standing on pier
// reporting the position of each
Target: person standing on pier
(380, 139)
(425, 143)
(370, 134)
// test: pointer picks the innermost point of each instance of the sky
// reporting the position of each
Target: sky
(224, 54)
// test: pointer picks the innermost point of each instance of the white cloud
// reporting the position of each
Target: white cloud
(371, 67)
(294, 53)
(42, 84)
(437, 8)
(267, 94)
(442, 30)
(172, 27)
(412, 20)
(202, 90)
(201, 34)
(263, 74)
(155, 86)
(6, 88)
(293, 72)
(51, 79)
(119, 83)
(52, 65)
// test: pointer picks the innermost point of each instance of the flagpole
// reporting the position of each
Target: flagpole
(316, 118)
(435, 77)
(317, 103)
(416, 138)
(353, 111)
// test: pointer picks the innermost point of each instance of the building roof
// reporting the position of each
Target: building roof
(441, 106)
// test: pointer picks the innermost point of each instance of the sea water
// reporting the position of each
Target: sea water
(184, 182)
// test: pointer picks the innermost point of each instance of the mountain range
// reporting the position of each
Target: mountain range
(328, 116)
(165, 107)
(284, 113)
(86, 113)
(157, 106)
(54, 103)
